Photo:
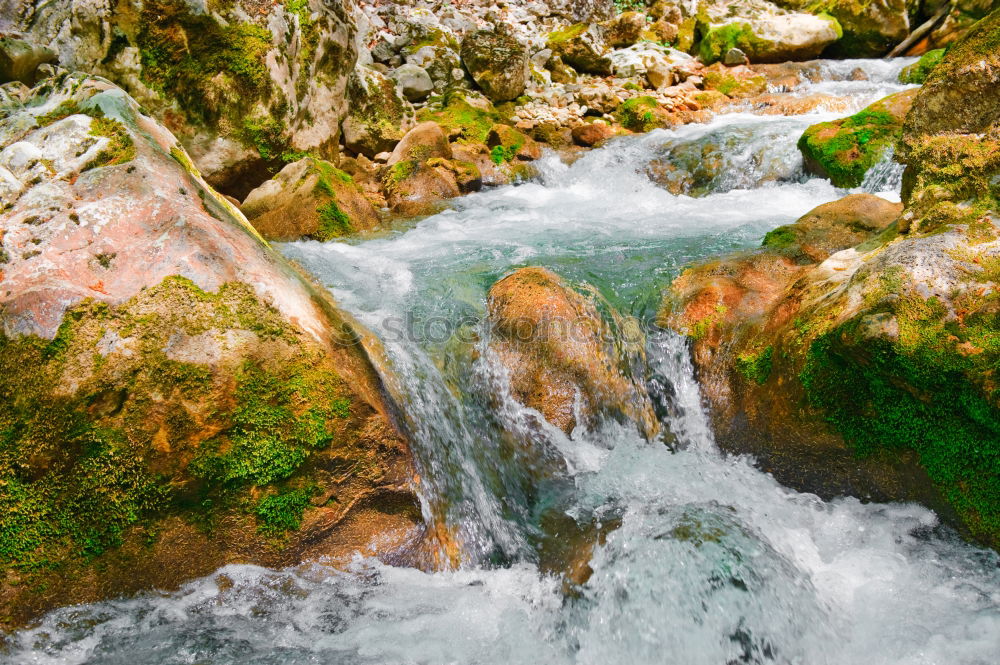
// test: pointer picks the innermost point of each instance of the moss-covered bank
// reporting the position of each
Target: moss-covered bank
(178, 412)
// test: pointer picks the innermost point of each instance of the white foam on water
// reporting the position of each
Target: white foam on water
(707, 561)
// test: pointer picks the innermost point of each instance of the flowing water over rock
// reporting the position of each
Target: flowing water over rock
(702, 558)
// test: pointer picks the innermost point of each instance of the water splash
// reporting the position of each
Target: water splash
(886, 176)
(696, 557)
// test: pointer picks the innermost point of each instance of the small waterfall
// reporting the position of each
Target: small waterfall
(673, 380)
(693, 556)
(886, 175)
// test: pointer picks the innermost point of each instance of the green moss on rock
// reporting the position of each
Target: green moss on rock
(120, 148)
(844, 150)
(457, 116)
(718, 41)
(919, 71)
(932, 390)
(640, 114)
(96, 443)
(199, 61)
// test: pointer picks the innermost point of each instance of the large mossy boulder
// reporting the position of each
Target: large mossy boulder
(564, 360)
(174, 396)
(950, 137)
(870, 29)
(497, 62)
(582, 47)
(309, 199)
(844, 150)
(873, 372)
(421, 173)
(244, 87)
(377, 116)
(762, 31)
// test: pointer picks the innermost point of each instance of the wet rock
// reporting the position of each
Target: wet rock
(582, 47)
(562, 356)
(872, 372)
(779, 104)
(174, 371)
(413, 81)
(240, 86)
(378, 116)
(844, 150)
(497, 62)
(309, 199)
(832, 227)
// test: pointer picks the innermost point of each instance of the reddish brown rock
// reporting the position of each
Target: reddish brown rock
(561, 354)
(591, 134)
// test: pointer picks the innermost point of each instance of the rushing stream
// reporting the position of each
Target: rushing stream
(704, 559)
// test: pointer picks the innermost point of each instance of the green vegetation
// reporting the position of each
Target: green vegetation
(718, 41)
(500, 154)
(920, 70)
(120, 148)
(64, 110)
(333, 222)
(81, 470)
(755, 367)
(780, 238)
(933, 390)
(639, 114)
(455, 114)
(270, 438)
(280, 513)
(845, 149)
(199, 61)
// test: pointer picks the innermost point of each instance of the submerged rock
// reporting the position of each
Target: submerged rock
(309, 199)
(174, 396)
(843, 150)
(564, 360)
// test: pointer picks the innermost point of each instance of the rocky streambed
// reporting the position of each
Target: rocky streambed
(660, 359)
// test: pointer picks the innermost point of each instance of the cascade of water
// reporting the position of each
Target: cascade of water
(885, 176)
(696, 557)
